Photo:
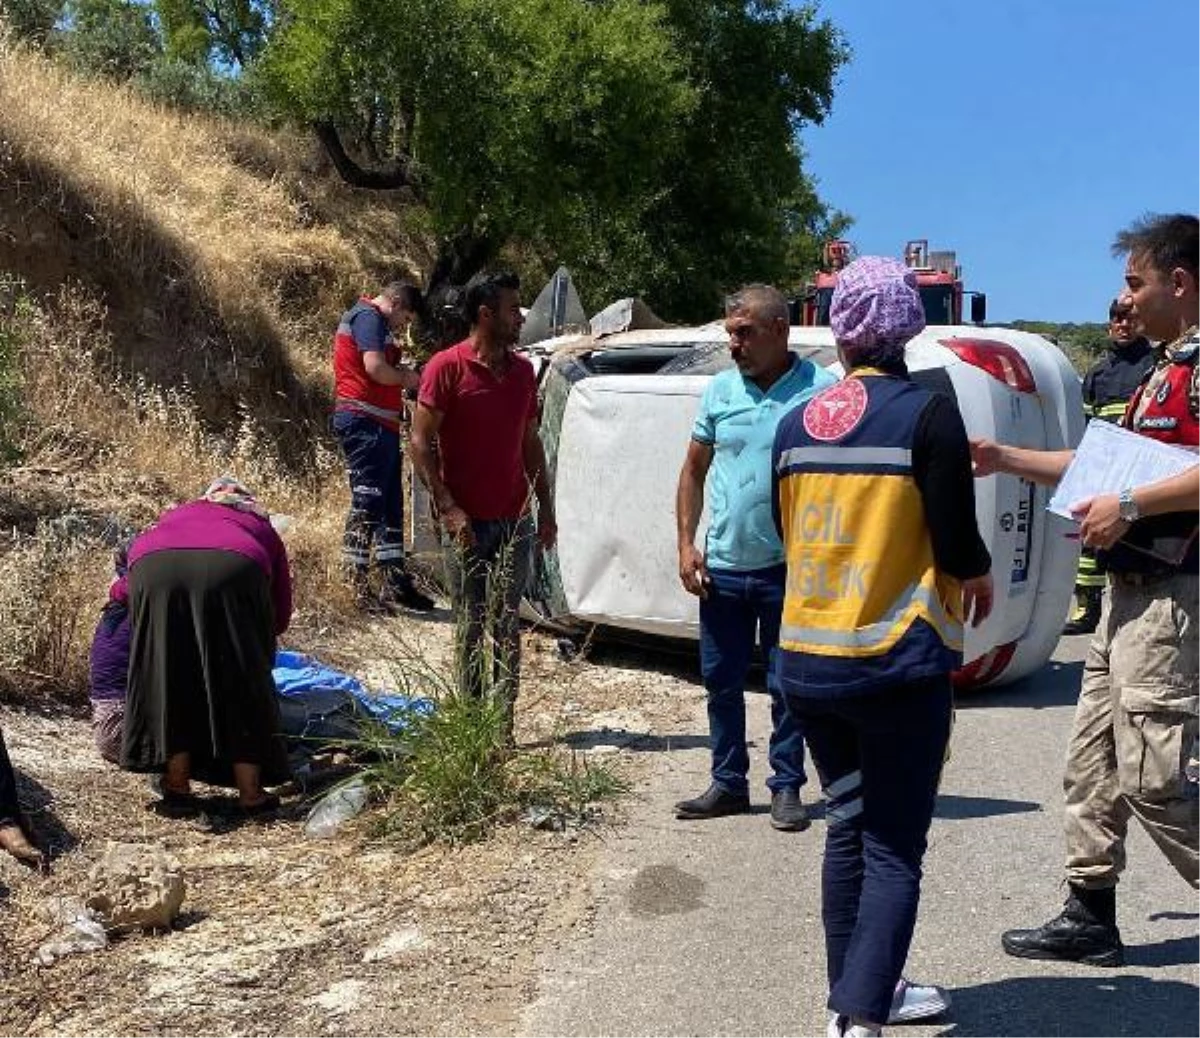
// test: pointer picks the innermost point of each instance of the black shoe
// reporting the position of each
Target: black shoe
(788, 813)
(1086, 623)
(1088, 620)
(714, 802)
(1078, 934)
(402, 593)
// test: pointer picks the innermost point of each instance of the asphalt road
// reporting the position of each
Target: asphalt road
(713, 928)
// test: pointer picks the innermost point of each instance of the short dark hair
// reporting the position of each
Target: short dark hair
(405, 295)
(484, 290)
(1117, 308)
(1168, 240)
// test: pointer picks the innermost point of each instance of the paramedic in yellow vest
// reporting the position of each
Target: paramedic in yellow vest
(875, 505)
(1107, 387)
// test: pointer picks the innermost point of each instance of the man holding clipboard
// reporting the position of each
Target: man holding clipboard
(1135, 727)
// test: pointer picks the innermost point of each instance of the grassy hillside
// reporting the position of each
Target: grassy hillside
(169, 286)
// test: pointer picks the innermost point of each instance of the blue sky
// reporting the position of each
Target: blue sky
(1021, 133)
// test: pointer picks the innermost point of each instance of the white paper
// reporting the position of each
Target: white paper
(1110, 458)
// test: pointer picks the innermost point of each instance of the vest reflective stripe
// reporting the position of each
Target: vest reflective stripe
(886, 631)
(845, 457)
(1110, 412)
(353, 388)
(371, 409)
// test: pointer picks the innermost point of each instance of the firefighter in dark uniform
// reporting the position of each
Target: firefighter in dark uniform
(1107, 387)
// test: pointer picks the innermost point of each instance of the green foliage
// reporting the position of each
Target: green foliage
(650, 146)
(31, 20)
(112, 38)
(448, 777)
(192, 87)
(741, 208)
(1082, 343)
(231, 32)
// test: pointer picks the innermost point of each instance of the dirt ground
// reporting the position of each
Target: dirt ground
(283, 934)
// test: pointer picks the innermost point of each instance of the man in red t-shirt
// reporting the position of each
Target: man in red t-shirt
(479, 400)
(370, 379)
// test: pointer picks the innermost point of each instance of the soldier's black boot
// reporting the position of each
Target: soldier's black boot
(1085, 931)
(1088, 618)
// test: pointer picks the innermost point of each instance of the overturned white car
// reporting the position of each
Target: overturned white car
(617, 415)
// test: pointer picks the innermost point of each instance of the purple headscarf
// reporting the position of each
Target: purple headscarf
(876, 309)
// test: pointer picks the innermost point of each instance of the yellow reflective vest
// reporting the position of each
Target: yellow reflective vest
(865, 603)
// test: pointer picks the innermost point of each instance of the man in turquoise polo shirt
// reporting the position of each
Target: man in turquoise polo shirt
(739, 575)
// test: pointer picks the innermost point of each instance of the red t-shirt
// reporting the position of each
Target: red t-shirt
(484, 417)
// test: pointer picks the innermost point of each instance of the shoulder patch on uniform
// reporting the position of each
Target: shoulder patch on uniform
(835, 411)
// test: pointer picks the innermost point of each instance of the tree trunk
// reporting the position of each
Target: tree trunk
(354, 174)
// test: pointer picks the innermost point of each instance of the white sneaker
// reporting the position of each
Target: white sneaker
(917, 1002)
(840, 1026)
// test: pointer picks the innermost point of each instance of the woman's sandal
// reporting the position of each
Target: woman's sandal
(268, 805)
(177, 805)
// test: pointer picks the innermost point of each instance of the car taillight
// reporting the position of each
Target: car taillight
(998, 359)
(986, 668)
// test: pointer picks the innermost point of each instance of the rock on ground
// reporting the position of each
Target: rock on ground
(136, 886)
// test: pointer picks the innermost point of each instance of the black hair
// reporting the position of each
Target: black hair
(1168, 240)
(484, 290)
(1115, 308)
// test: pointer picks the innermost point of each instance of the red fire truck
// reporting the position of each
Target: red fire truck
(939, 278)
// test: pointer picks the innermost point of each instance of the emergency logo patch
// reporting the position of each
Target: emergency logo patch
(1160, 421)
(832, 413)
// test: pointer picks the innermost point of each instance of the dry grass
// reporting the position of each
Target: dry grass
(222, 253)
(172, 283)
(226, 212)
(104, 455)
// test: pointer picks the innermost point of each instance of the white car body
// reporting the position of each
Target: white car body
(617, 452)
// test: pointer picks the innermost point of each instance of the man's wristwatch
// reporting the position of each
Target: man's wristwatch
(1127, 507)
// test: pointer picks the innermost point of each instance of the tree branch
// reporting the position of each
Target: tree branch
(354, 174)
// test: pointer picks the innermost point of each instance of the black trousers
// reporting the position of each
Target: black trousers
(10, 808)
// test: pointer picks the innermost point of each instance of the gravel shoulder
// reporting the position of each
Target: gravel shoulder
(286, 935)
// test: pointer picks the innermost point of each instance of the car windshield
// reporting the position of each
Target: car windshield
(938, 301)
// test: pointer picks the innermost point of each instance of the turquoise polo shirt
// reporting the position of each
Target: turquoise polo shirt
(738, 420)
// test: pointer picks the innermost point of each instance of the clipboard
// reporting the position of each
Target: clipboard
(1109, 459)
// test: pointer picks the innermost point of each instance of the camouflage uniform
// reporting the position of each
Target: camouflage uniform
(1136, 721)
(1135, 725)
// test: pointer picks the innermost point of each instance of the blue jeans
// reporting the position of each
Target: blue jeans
(743, 607)
(879, 756)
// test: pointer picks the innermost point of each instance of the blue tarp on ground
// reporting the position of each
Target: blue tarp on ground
(317, 701)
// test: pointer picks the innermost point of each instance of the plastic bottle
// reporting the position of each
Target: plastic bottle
(336, 807)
